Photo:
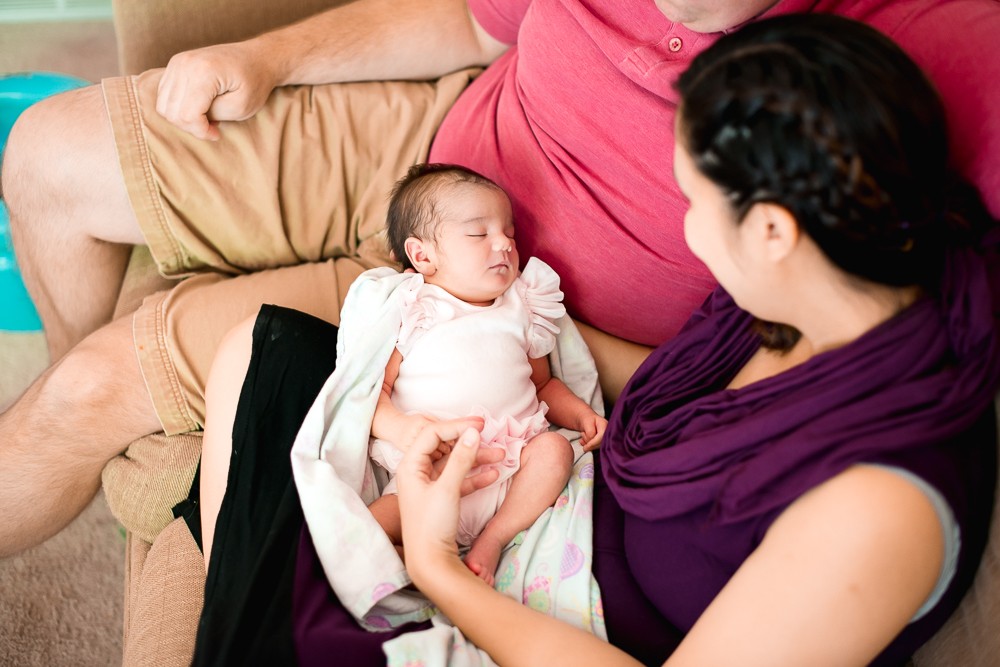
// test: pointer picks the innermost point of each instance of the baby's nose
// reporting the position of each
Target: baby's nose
(502, 244)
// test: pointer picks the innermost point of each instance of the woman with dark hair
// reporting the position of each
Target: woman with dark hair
(805, 474)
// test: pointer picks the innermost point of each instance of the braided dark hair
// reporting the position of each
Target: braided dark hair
(829, 119)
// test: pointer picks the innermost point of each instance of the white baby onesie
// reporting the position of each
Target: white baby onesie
(461, 360)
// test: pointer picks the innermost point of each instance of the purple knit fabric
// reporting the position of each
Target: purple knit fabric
(919, 379)
(696, 473)
(324, 631)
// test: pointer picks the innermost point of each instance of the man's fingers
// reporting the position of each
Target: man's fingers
(189, 118)
(202, 128)
(234, 105)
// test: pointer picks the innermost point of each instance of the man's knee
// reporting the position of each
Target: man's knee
(36, 146)
(60, 160)
(98, 390)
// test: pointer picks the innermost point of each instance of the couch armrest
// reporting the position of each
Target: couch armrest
(149, 32)
(143, 484)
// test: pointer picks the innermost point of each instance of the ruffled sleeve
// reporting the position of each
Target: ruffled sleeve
(420, 311)
(538, 286)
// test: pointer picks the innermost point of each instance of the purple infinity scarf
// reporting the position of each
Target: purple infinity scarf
(679, 440)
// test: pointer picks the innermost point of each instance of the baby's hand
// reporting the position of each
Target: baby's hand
(591, 426)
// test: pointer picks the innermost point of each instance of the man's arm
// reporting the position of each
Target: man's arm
(369, 40)
(364, 40)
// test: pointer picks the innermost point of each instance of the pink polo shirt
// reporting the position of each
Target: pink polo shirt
(575, 121)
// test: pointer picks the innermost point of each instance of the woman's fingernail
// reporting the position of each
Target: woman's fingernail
(468, 438)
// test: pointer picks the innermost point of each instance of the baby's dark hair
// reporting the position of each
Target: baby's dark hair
(413, 202)
(829, 119)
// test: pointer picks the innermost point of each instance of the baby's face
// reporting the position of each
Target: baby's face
(473, 252)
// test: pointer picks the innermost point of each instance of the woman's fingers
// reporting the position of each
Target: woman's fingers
(447, 431)
(461, 460)
(451, 472)
(478, 481)
(429, 502)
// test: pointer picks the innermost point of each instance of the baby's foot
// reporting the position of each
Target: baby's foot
(483, 557)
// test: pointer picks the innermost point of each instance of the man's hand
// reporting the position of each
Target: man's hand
(202, 87)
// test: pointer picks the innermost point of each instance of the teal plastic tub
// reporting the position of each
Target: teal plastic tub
(17, 93)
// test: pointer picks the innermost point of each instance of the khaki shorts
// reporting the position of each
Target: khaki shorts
(303, 185)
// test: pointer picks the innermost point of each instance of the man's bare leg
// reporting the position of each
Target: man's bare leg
(55, 441)
(70, 215)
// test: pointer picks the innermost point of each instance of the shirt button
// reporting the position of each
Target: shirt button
(675, 44)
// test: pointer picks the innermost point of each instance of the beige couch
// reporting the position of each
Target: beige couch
(164, 570)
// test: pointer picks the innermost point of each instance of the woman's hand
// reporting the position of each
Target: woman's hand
(429, 493)
(416, 427)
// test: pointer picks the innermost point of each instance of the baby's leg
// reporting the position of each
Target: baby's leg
(385, 509)
(546, 462)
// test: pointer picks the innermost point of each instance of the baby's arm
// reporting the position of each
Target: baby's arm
(566, 408)
(390, 424)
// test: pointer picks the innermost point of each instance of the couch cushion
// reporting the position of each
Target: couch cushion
(151, 31)
(154, 474)
(165, 584)
(970, 637)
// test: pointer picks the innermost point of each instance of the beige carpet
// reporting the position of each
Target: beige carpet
(61, 602)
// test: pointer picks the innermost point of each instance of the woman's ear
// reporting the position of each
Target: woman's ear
(420, 256)
(774, 231)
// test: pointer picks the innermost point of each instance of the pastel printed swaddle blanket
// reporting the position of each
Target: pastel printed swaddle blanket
(548, 566)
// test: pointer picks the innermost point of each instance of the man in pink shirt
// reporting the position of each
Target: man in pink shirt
(225, 168)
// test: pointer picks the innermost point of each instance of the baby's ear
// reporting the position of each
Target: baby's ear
(420, 256)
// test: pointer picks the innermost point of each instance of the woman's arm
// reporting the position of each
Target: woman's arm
(430, 514)
(510, 632)
(839, 574)
(222, 395)
(837, 577)
(616, 358)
